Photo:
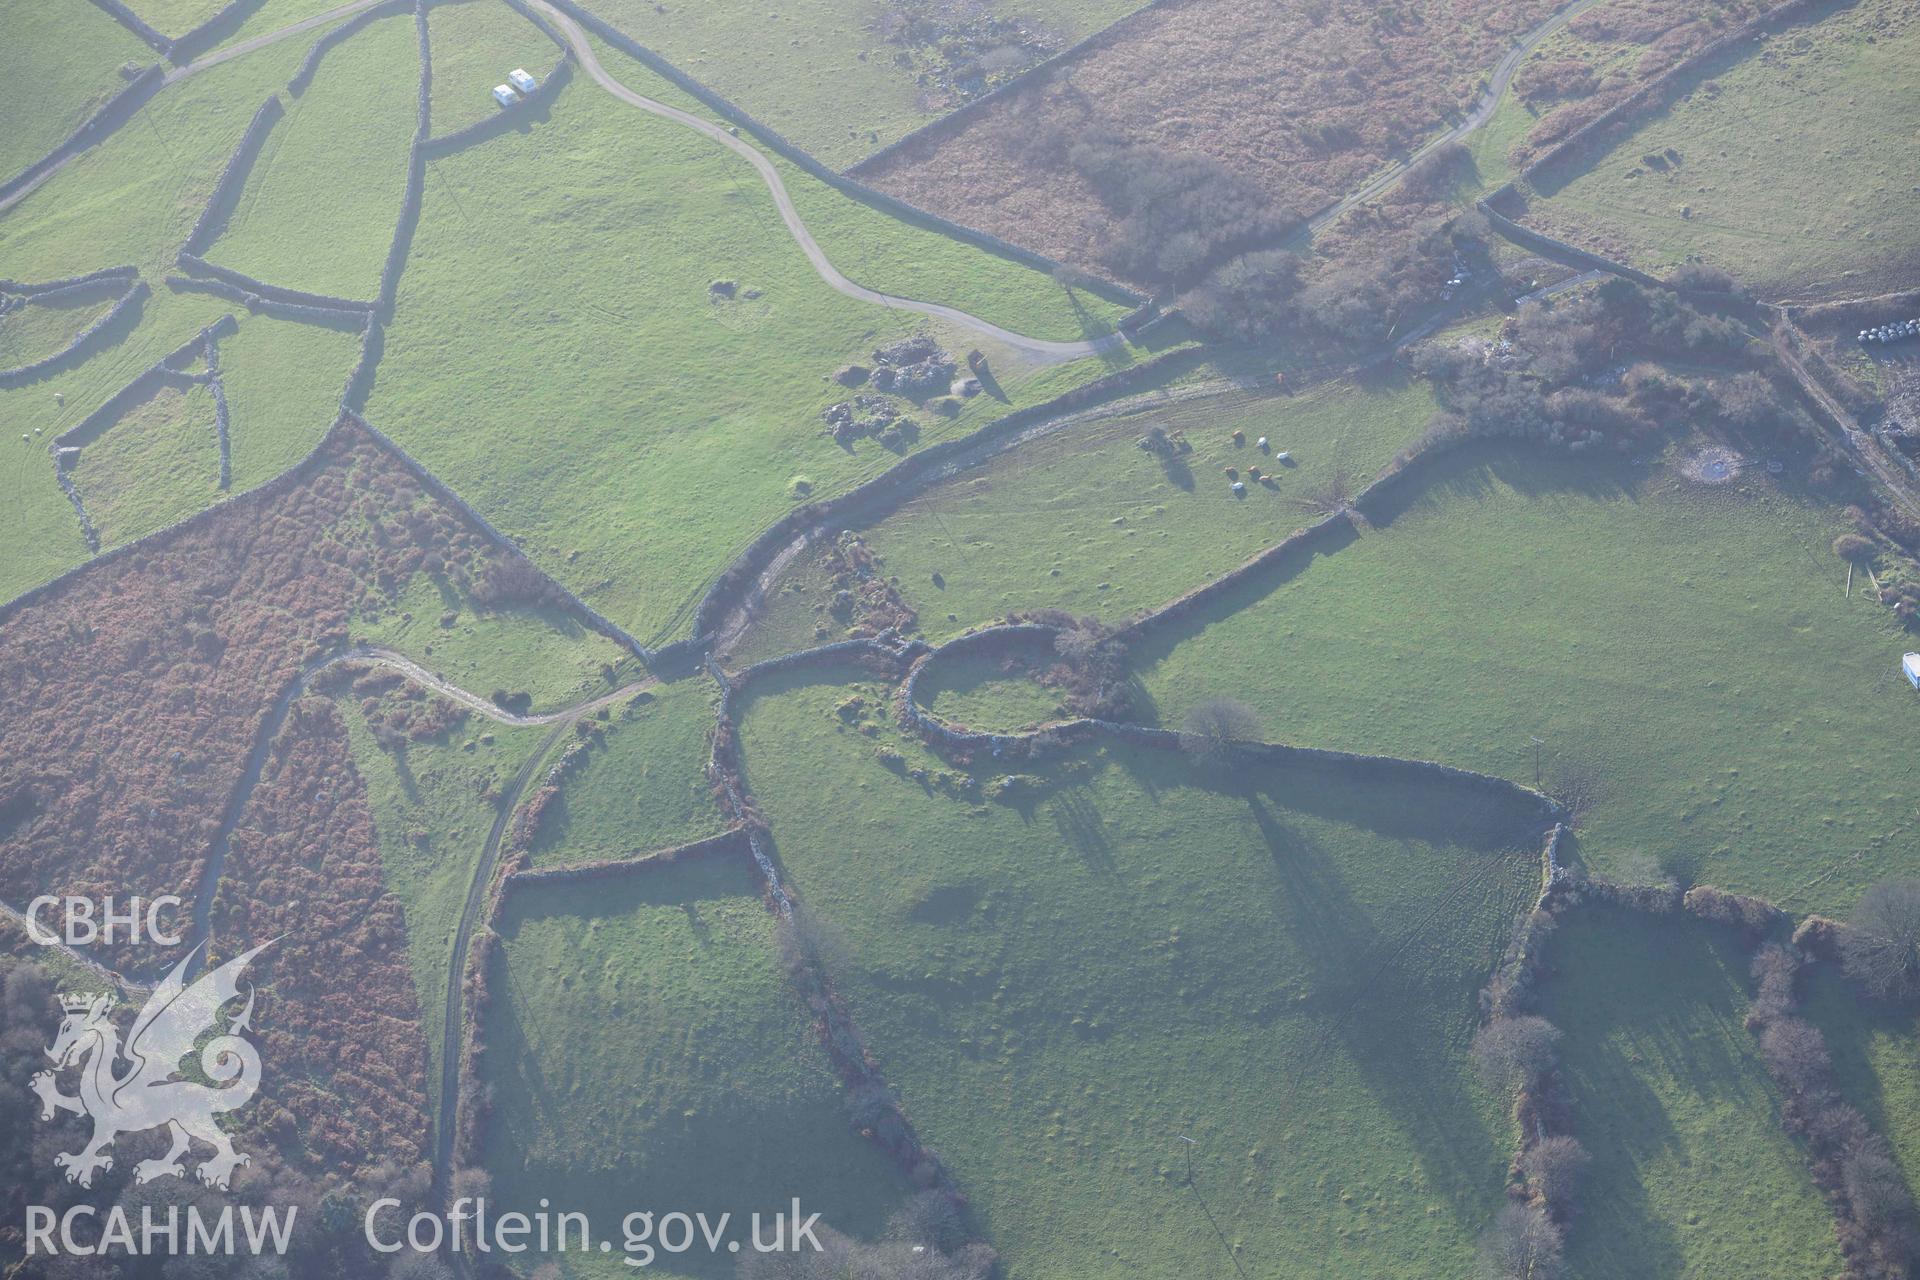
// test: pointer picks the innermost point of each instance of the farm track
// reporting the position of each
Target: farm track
(206, 63)
(453, 1022)
(378, 656)
(1039, 349)
(453, 1030)
(1858, 444)
(1482, 111)
(373, 655)
(126, 985)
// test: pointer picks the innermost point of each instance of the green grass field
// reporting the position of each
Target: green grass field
(432, 816)
(1692, 1174)
(911, 257)
(1876, 1057)
(539, 651)
(1282, 966)
(319, 207)
(818, 70)
(132, 199)
(643, 785)
(158, 464)
(283, 385)
(475, 44)
(646, 1052)
(985, 692)
(557, 357)
(135, 196)
(175, 17)
(60, 63)
(37, 331)
(1085, 520)
(1835, 104)
(1687, 653)
(283, 382)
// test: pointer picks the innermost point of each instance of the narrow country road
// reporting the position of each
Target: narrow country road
(1038, 348)
(375, 655)
(453, 1019)
(219, 56)
(1489, 102)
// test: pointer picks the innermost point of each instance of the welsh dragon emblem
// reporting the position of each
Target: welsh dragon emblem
(148, 1093)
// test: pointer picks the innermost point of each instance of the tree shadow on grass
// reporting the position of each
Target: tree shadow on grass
(1386, 1006)
(1666, 1005)
(1391, 996)
(1851, 1020)
(688, 1129)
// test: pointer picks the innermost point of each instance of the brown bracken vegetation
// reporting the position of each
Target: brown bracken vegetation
(337, 1001)
(131, 698)
(131, 693)
(1613, 50)
(1296, 103)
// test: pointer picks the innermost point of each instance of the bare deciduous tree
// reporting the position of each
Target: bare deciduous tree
(1510, 1051)
(1554, 1168)
(1796, 1054)
(1876, 1189)
(1523, 1244)
(1774, 968)
(1882, 947)
(1078, 644)
(1211, 730)
(1335, 493)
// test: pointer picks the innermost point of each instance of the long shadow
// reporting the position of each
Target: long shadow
(1380, 1003)
(1381, 1009)
(117, 329)
(1080, 826)
(585, 1138)
(1671, 1003)
(683, 885)
(1163, 637)
(520, 118)
(1849, 1020)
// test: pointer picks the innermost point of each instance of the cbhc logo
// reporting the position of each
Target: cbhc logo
(87, 922)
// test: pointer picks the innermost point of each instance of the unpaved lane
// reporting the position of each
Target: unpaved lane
(219, 56)
(375, 655)
(1037, 348)
(1482, 112)
(194, 68)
